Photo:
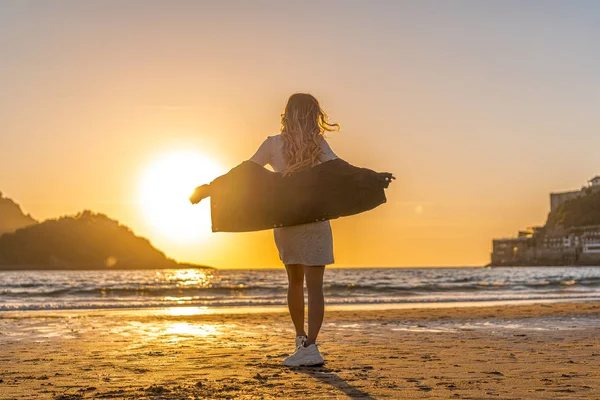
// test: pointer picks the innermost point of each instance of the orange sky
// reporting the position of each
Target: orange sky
(480, 110)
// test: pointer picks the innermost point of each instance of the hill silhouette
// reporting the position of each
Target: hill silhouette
(12, 217)
(87, 240)
(577, 212)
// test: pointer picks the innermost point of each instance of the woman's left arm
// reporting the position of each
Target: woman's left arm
(327, 153)
(262, 156)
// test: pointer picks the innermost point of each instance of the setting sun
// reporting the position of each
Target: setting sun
(164, 191)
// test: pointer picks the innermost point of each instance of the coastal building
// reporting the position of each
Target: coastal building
(531, 231)
(509, 250)
(556, 245)
(556, 199)
(561, 239)
(573, 246)
(591, 242)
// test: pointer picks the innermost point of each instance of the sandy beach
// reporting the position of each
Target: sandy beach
(545, 351)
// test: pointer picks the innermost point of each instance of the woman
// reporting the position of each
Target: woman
(305, 249)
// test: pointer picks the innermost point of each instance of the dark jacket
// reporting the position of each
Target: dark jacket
(252, 198)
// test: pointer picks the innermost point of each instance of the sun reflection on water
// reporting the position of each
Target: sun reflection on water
(187, 277)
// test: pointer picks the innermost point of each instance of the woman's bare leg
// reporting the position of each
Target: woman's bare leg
(295, 296)
(316, 302)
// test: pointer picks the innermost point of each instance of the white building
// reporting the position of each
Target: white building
(588, 242)
(565, 241)
(591, 242)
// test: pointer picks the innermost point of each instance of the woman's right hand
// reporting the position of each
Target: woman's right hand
(200, 193)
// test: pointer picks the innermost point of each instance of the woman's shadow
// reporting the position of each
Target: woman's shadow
(329, 376)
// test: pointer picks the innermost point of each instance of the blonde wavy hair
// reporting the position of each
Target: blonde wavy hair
(303, 124)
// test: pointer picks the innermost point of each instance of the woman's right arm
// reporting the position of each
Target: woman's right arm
(262, 157)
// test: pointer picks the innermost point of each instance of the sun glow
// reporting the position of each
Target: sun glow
(165, 189)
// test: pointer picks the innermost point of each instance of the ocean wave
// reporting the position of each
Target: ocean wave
(282, 302)
(331, 288)
(137, 291)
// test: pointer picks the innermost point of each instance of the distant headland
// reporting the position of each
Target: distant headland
(12, 217)
(571, 235)
(87, 240)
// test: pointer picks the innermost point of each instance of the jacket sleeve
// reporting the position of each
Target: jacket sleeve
(262, 156)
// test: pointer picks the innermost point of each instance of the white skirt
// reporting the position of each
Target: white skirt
(307, 244)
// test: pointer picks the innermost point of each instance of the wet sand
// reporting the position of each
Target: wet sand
(545, 351)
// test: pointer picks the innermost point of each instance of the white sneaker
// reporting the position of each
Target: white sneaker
(300, 341)
(304, 357)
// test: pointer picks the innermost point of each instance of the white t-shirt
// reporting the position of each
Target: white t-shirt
(271, 152)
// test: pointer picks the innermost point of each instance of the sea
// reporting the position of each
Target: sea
(213, 288)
